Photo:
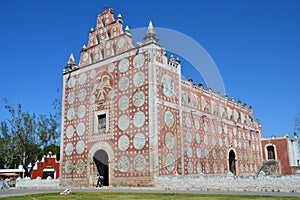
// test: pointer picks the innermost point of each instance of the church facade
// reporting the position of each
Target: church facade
(128, 115)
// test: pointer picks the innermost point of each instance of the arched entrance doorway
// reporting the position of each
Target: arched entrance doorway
(231, 161)
(49, 171)
(100, 159)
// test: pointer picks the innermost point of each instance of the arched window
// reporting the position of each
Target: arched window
(114, 49)
(92, 57)
(98, 38)
(102, 53)
(271, 152)
(108, 34)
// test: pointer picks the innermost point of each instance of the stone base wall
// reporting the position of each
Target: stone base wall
(37, 183)
(296, 170)
(74, 183)
(230, 182)
(133, 182)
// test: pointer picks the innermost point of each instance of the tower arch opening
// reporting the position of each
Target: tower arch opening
(101, 165)
(231, 162)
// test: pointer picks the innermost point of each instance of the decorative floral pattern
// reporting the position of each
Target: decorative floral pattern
(206, 140)
(207, 167)
(71, 98)
(69, 149)
(198, 152)
(81, 111)
(101, 86)
(123, 65)
(92, 99)
(82, 78)
(139, 141)
(221, 155)
(197, 124)
(81, 95)
(79, 166)
(111, 68)
(170, 162)
(68, 166)
(139, 163)
(198, 138)
(188, 122)
(138, 98)
(139, 119)
(190, 167)
(123, 143)
(214, 154)
(80, 147)
(138, 60)
(80, 128)
(219, 129)
(206, 153)
(70, 131)
(123, 84)
(169, 118)
(220, 142)
(222, 168)
(139, 79)
(189, 152)
(92, 74)
(167, 86)
(123, 122)
(71, 114)
(123, 103)
(170, 140)
(215, 168)
(199, 167)
(71, 82)
(189, 137)
(123, 164)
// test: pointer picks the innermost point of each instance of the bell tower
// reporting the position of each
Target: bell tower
(106, 40)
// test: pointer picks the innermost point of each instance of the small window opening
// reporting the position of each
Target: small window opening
(271, 153)
(92, 57)
(108, 34)
(115, 49)
(102, 53)
(102, 123)
(98, 38)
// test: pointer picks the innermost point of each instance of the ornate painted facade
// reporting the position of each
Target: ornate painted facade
(129, 116)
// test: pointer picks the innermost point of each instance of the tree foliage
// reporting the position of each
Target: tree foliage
(24, 136)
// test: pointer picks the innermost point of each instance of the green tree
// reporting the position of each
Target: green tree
(24, 136)
(55, 149)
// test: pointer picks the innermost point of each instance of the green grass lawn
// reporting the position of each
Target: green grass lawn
(125, 196)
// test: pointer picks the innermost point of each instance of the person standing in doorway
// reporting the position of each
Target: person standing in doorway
(99, 180)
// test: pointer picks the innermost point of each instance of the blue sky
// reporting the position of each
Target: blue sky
(255, 45)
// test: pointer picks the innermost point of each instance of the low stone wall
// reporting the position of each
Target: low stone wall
(230, 182)
(37, 183)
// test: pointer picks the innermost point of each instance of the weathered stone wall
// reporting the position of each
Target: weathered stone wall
(37, 183)
(133, 182)
(78, 182)
(230, 182)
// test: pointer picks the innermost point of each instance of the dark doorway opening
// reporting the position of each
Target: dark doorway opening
(271, 153)
(101, 161)
(49, 171)
(232, 167)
